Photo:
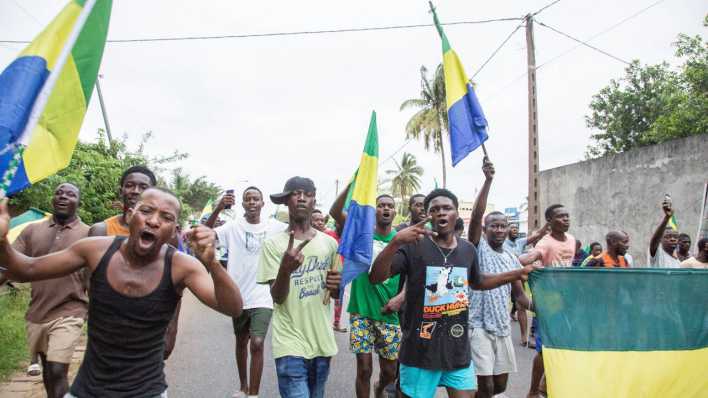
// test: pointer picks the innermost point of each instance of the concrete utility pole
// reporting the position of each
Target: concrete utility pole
(533, 210)
(103, 111)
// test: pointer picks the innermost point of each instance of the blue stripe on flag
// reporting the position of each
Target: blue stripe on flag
(357, 241)
(20, 84)
(468, 126)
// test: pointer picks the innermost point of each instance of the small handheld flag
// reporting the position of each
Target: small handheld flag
(466, 122)
(44, 94)
(357, 241)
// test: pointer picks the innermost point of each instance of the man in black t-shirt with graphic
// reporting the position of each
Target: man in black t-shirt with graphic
(440, 268)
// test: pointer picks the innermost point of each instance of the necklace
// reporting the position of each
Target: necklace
(441, 252)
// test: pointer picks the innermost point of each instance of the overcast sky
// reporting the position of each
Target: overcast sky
(265, 109)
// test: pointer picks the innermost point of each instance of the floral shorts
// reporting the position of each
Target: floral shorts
(367, 334)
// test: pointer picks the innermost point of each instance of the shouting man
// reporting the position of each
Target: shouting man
(136, 283)
(439, 269)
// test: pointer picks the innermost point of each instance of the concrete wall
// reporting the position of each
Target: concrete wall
(625, 191)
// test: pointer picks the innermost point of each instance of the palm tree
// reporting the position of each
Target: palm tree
(430, 121)
(405, 178)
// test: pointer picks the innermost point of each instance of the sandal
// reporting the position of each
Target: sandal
(34, 370)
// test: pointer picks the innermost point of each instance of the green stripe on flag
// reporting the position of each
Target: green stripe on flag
(443, 37)
(88, 50)
(371, 147)
(622, 309)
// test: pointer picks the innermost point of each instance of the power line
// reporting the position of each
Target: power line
(27, 12)
(295, 33)
(542, 9)
(510, 35)
(497, 50)
(582, 42)
(566, 52)
(602, 32)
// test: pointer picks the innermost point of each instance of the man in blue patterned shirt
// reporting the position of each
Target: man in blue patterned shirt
(489, 320)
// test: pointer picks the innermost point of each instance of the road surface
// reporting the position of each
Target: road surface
(203, 362)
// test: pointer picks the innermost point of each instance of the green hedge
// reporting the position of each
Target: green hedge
(13, 346)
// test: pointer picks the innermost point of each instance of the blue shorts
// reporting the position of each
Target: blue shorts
(539, 343)
(422, 383)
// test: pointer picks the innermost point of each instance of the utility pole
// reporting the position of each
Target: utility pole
(103, 111)
(533, 211)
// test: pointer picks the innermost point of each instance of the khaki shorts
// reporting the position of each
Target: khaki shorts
(56, 339)
(492, 355)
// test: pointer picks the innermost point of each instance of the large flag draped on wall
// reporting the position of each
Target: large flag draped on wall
(623, 332)
(44, 94)
(466, 122)
(357, 240)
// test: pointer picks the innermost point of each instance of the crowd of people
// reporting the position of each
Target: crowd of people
(436, 307)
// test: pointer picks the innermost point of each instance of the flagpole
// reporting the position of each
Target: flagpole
(43, 97)
(432, 9)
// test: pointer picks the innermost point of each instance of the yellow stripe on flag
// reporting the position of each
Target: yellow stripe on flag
(365, 191)
(455, 78)
(53, 140)
(50, 42)
(630, 374)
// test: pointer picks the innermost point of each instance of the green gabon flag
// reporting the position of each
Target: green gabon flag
(623, 332)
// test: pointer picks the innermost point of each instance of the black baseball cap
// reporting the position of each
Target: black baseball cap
(293, 184)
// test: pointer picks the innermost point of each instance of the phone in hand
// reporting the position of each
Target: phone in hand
(667, 202)
(229, 192)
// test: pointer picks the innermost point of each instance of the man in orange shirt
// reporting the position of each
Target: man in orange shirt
(613, 257)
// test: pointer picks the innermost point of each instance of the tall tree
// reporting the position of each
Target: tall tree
(405, 179)
(430, 121)
(653, 103)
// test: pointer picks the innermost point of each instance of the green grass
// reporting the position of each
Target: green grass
(13, 342)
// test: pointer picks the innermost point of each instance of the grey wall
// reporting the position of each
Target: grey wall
(625, 191)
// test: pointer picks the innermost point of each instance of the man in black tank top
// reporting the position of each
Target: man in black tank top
(136, 283)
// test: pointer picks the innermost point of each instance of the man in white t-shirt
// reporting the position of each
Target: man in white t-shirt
(664, 241)
(242, 239)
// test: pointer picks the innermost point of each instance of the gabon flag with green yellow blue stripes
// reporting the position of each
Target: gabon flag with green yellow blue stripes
(45, 92)
(611, 333)
(466, 122)
(357, 241)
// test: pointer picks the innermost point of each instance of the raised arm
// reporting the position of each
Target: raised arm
(475, 228)
(215, 289)
(538, 234)
(26, 269)
(337, 209)
(226, 200)
(381, 268)
(659, 232)
(491, 281)
(22, 268)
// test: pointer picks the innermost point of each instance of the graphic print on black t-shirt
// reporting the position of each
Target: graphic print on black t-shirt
(434, 324)
(445, 296)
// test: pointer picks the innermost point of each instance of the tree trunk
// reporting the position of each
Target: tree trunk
(442, 157)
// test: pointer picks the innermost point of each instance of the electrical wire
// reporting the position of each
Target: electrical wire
(497, 50)
(566, 52)
(582, 42)
(295, 33)
(542, 9)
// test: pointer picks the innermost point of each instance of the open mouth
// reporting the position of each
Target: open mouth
(147, 238)
(441, 223)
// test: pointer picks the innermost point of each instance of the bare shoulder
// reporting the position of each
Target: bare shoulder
(184, 265)
(98, 229)
(92, 249)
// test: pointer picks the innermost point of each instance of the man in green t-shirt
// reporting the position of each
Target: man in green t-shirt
(371, 329)
(302, 267)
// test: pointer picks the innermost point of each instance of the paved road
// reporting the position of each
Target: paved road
(203, 363)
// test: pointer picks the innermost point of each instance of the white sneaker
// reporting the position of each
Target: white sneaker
(239, 394)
